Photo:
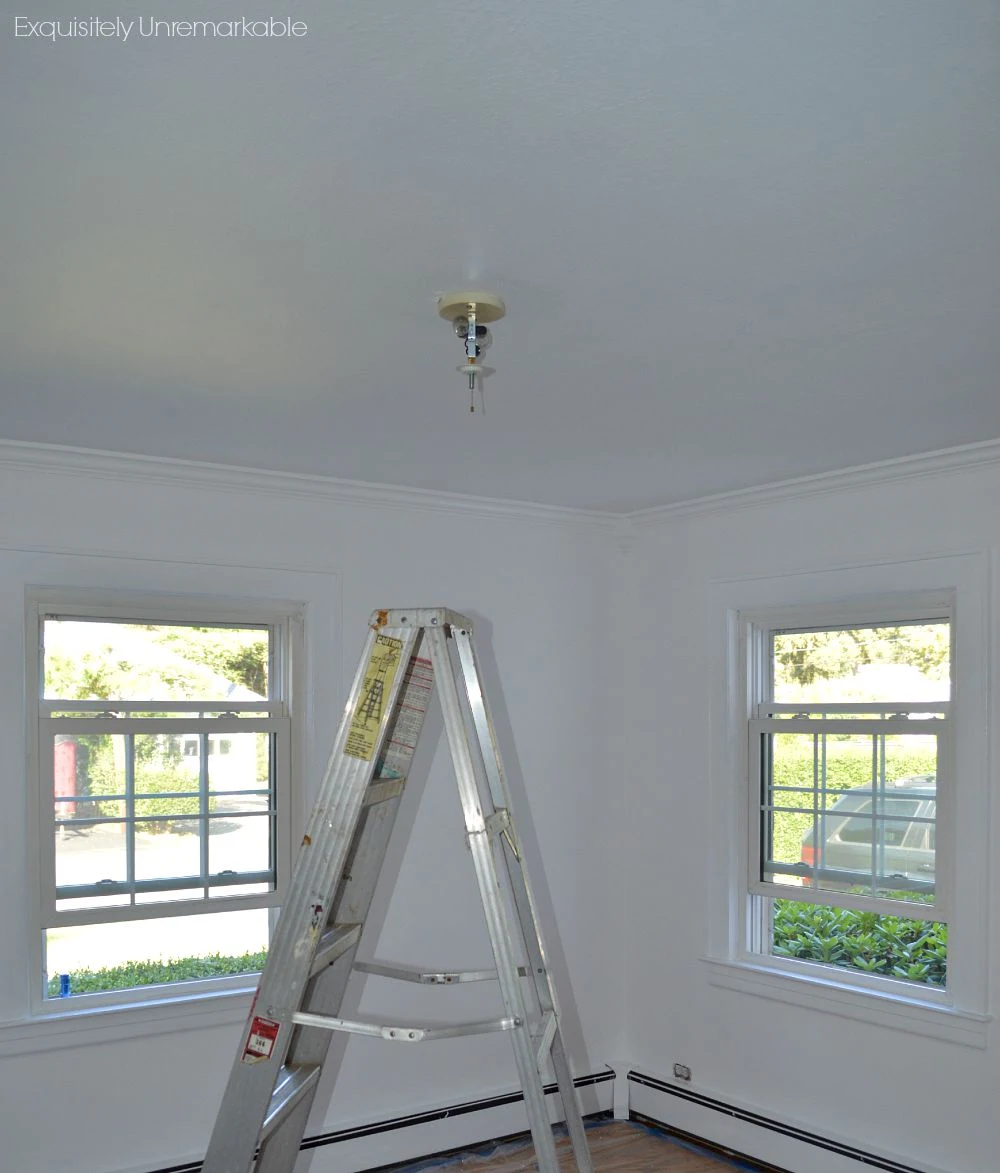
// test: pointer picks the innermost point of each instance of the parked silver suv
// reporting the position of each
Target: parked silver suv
(894, 845)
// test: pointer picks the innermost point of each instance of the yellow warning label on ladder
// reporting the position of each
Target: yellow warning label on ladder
(375, 690)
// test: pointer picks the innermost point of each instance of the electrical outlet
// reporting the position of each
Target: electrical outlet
(681, 1071)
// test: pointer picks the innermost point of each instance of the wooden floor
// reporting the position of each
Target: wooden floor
(616, 1147)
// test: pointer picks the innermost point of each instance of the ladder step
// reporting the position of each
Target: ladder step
(290, 1086)
(334, 943)
(413, 973)
(404, 1034)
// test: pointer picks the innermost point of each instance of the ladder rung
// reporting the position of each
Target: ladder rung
(413, 973)
(333, 944)
(404, 1034)
(383, 790)
(292, 1084)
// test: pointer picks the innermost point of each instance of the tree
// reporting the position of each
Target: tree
(130, 661)
(802, 657)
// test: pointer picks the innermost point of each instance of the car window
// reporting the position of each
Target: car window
(893, 821)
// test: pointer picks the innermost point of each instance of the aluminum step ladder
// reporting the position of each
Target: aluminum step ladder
(313, 951)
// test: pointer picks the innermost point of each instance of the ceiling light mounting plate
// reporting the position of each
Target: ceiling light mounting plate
(489, 306)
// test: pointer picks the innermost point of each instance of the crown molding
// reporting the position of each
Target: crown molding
(128, 468)
(625, 528)
(962, 459)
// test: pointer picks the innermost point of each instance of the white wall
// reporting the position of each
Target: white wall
(99, 1096)
(928, 1102)
(611, 744)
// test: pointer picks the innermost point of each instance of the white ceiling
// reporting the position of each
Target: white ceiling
(740, 240)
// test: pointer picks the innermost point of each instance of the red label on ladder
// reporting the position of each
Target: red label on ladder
(260, 1043)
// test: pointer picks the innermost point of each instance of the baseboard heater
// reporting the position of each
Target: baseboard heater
(869, 1160)
(321, 1139)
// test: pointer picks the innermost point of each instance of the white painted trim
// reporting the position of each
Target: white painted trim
(117, 466)
(142, 1020)
(865, 1005)
(962, 459)
(124, 553)
(410, 1142)
(624, 526)
(720, 1127)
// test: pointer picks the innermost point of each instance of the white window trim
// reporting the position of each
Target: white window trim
(853, 595)
(286, 619)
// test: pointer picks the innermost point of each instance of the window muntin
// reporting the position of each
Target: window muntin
(163, 748)
(847, 752)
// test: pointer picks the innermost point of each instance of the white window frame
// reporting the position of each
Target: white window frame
(879, 718)
(284, 621)
(954, 586)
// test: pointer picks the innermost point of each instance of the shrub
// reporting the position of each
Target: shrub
(893, 946)
(156, 973)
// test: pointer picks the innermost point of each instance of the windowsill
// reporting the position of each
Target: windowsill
(74, 1028)
(817, 992)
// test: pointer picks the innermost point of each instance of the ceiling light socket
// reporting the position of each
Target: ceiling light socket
(469, 310)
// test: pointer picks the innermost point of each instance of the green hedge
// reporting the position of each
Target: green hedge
(913, 950)
(849, 761)
(156, 973)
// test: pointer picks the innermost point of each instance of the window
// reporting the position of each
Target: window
(762, 626)
(849, 761)
(163, 754)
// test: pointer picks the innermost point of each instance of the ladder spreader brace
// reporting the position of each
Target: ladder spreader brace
(287, 1036)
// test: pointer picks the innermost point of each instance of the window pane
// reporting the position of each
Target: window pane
(90, 792)
(850, 813)
(88, 659)
(890, 946)
(90, 853)
(167, 780)
(911, 662)
(238, 846)
(168, 849)
(239, 762)
(97, 958)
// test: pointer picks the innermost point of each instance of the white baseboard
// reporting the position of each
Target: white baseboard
(372, 1144)
(456, 1126)
(753, 1132)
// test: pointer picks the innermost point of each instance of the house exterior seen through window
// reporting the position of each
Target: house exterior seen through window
(849, 772)
(163, 772)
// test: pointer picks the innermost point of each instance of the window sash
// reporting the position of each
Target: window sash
(762, 808)
(211, 888)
